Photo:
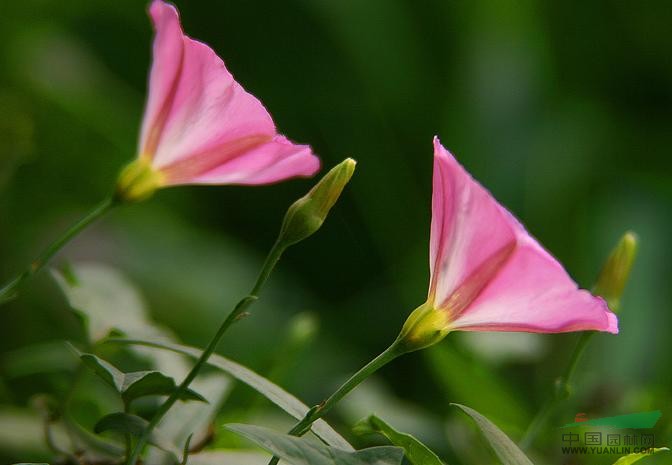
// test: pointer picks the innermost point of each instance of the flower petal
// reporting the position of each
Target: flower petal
(468, 227)
(490, 274)
(166, 67)
(533, 293)
(263, 164)
(199, 120)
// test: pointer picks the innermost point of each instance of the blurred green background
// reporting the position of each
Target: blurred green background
(562, 109)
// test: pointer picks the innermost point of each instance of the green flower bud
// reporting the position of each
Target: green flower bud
(616, 270)
(424, 327)
(305, 216)
(137, 181)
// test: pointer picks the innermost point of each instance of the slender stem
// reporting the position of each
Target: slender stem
(9, 290)
(236, 313)
(318, 411)
(562, 391)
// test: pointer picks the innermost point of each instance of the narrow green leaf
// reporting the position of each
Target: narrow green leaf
(632, 458)
(301, 451)
(271, 391)
(416, 452)
(125, 423)
(135, 384)
(505, 449)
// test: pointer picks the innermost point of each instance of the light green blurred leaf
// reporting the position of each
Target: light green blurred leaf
(505, 449)
(271, 391)
(106, 301)
(138, 383)
(416, 452)
(300, 451)
(632, 458)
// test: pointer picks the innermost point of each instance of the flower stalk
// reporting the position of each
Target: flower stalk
(318, 411)
(10, 290)
(236, 313)
(302, 219)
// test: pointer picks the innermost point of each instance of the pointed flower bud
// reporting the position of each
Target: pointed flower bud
(305, 216)
(616, 270)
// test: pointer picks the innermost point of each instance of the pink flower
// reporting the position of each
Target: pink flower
(489, 274)
(200, 126)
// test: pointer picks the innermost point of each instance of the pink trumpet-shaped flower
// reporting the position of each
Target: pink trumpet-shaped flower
(200, 126)
(489, 274)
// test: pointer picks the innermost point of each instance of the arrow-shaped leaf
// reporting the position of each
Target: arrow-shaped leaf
(416, 452)
(135, 384)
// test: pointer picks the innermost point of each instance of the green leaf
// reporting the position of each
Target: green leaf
(632, 458)
(152, 383)
(125, 423)
(416, 452)
(301, 451)
(271, 391)
(505, 449)
(135, 384)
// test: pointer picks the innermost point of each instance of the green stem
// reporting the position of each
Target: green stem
(318, 411)
(562, 391)
(10, 289)
(236, 313)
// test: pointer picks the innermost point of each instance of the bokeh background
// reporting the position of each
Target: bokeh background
(562, 109)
